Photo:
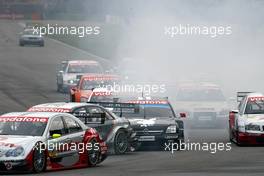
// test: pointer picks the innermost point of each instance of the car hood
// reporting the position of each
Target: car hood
(8, 142)
(201, 105)
(68, 76)
(152, 122)
(86, 93)
(254, 118)
(35, 36)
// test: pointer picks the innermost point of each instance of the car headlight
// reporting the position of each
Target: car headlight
(84, 99)
(171, 129)
(15, 152)
(241, 128)
(251, 127)
(71, 81)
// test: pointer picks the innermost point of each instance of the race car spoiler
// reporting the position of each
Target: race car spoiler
(91, 118)
(119, 107)
(241, 95)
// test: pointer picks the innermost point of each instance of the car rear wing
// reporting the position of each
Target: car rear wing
(91, 118)
(119, 108)
(241, 95)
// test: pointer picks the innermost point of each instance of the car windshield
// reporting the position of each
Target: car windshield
(30, 32)
(101, 98)
(91, 84)
(76, 68)
(255, 107)
(22, 128)
(149, 111)
(200, 95)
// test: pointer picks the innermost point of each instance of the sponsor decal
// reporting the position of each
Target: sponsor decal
(45, 109)
(12, 16)
(146, 122)
(101, 78)
(256, 98)
(148, 101)
(83, 62)
(102, 93)
(23, 119)
(6, 144)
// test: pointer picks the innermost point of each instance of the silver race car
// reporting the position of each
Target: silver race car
(31, 37)
(116, 131)
(69, 72)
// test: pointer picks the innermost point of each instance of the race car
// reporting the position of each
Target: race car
(39, 141)
(204, 104)
(69, 71)
(116, 131)
(89, 82)
(154, 122)
(31, 37)
(102, 95)
(246, 125)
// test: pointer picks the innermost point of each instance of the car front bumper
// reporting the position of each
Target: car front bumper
(15, 166)
(250, 138)
(32, 42)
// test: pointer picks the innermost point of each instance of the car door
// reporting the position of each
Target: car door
(56, 145)
(106, 128)
(75, 135)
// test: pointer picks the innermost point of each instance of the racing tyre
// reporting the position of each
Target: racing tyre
(39, 159)
(93, 154)
(120, 142)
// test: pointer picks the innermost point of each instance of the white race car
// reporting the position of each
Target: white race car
(70, 72)
(205, 105)
(246, 125)
(39, 141)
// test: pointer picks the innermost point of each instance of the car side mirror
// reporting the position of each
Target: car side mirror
(102, 119)
(234, 111)
(55, 136)
(74, 88)
(183, 115)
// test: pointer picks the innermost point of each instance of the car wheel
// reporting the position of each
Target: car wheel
(21, 44)
(93, 154)
(120, 142)
(39, 159)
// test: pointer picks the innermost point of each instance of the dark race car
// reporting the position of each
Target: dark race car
(116, 131)
(154, 122)
(39, 141)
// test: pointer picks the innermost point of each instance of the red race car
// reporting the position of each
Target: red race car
(39, 141)
(87, 83)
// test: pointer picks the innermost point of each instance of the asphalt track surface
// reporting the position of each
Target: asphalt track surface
(27, 77)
